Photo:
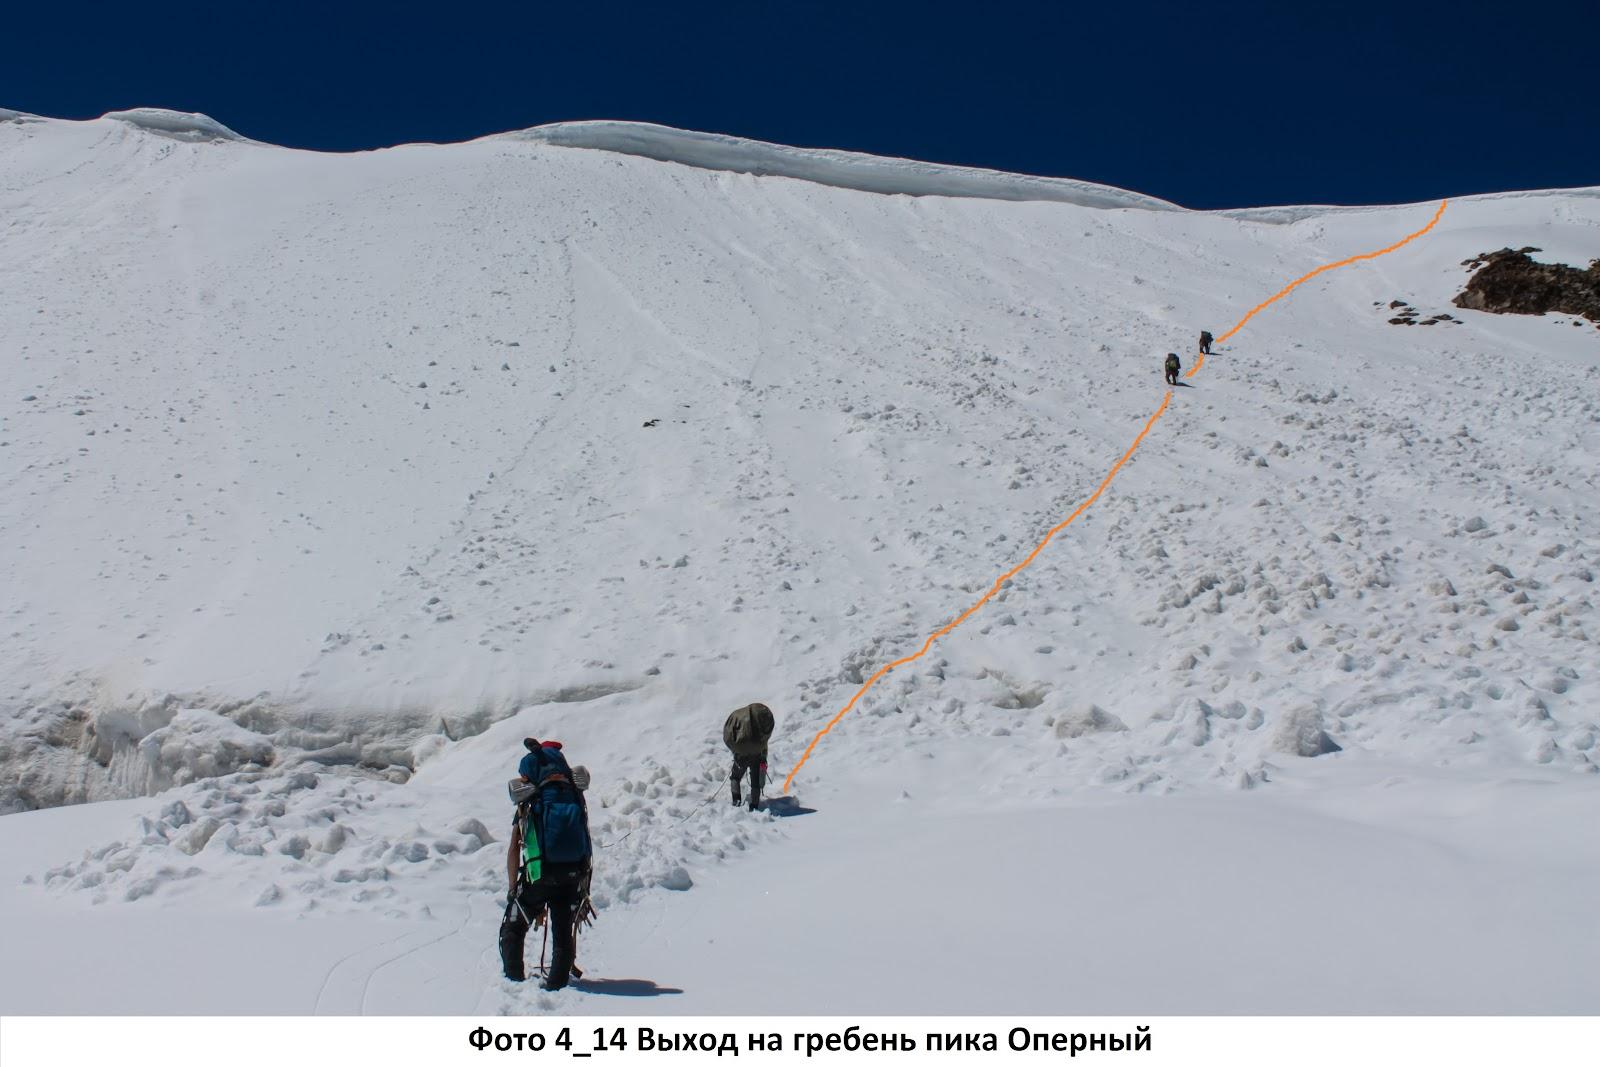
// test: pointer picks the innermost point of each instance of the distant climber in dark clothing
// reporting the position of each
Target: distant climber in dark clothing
(1205, 343)
(746, 734)
(1173, 366)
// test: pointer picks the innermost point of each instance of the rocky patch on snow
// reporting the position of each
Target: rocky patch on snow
(1511, 282)
(1406, 315)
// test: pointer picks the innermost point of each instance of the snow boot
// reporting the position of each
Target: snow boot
(561, 961)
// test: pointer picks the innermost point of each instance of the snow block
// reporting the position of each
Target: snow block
(1091, 719)
(1301, 734)
(197, 744)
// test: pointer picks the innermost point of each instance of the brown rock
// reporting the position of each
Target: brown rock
(1510, 282)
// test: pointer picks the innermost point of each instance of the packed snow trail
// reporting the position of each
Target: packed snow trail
(1137, 441)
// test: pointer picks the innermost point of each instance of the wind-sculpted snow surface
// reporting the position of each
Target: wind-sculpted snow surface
(325, 480)
(844, 170)
(183, 125)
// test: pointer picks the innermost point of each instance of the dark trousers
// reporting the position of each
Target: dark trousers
(1172, 377)
(560, 892)
(756, 766)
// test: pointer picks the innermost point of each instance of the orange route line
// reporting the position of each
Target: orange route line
(1200, 358)
(1101, 488)
(993, 589)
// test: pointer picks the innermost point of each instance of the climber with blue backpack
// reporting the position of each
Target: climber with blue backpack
(548, 862)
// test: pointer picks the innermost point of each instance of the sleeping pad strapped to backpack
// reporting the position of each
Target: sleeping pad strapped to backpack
(552, 816)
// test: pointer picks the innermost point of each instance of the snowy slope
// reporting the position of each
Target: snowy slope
(325, 479)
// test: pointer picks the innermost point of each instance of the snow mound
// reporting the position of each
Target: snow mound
(1090, 720)
(8, 115)
(310, 839)
(183, 125)
(1301, 734)
(844, 170)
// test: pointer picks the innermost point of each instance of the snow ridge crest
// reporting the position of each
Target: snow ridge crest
(826, 166)
(183, 125)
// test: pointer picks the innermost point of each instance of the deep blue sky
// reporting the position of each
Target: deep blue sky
(1238, 104)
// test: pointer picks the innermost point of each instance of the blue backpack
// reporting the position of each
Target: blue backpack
(551, 816)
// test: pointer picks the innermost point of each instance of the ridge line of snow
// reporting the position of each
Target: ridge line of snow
(183, 125)
(838, 168)
(826, 166)
(1290, 213)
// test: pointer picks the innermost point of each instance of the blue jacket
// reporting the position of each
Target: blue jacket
(535, 765)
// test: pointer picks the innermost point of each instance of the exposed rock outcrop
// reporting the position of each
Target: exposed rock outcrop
(1510, 282)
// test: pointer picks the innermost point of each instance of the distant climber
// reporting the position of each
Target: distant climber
(548, 863)
(1173, 367)
(1205, 343)
(746, 734)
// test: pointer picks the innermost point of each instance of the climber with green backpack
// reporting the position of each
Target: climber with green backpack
(548, 861)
